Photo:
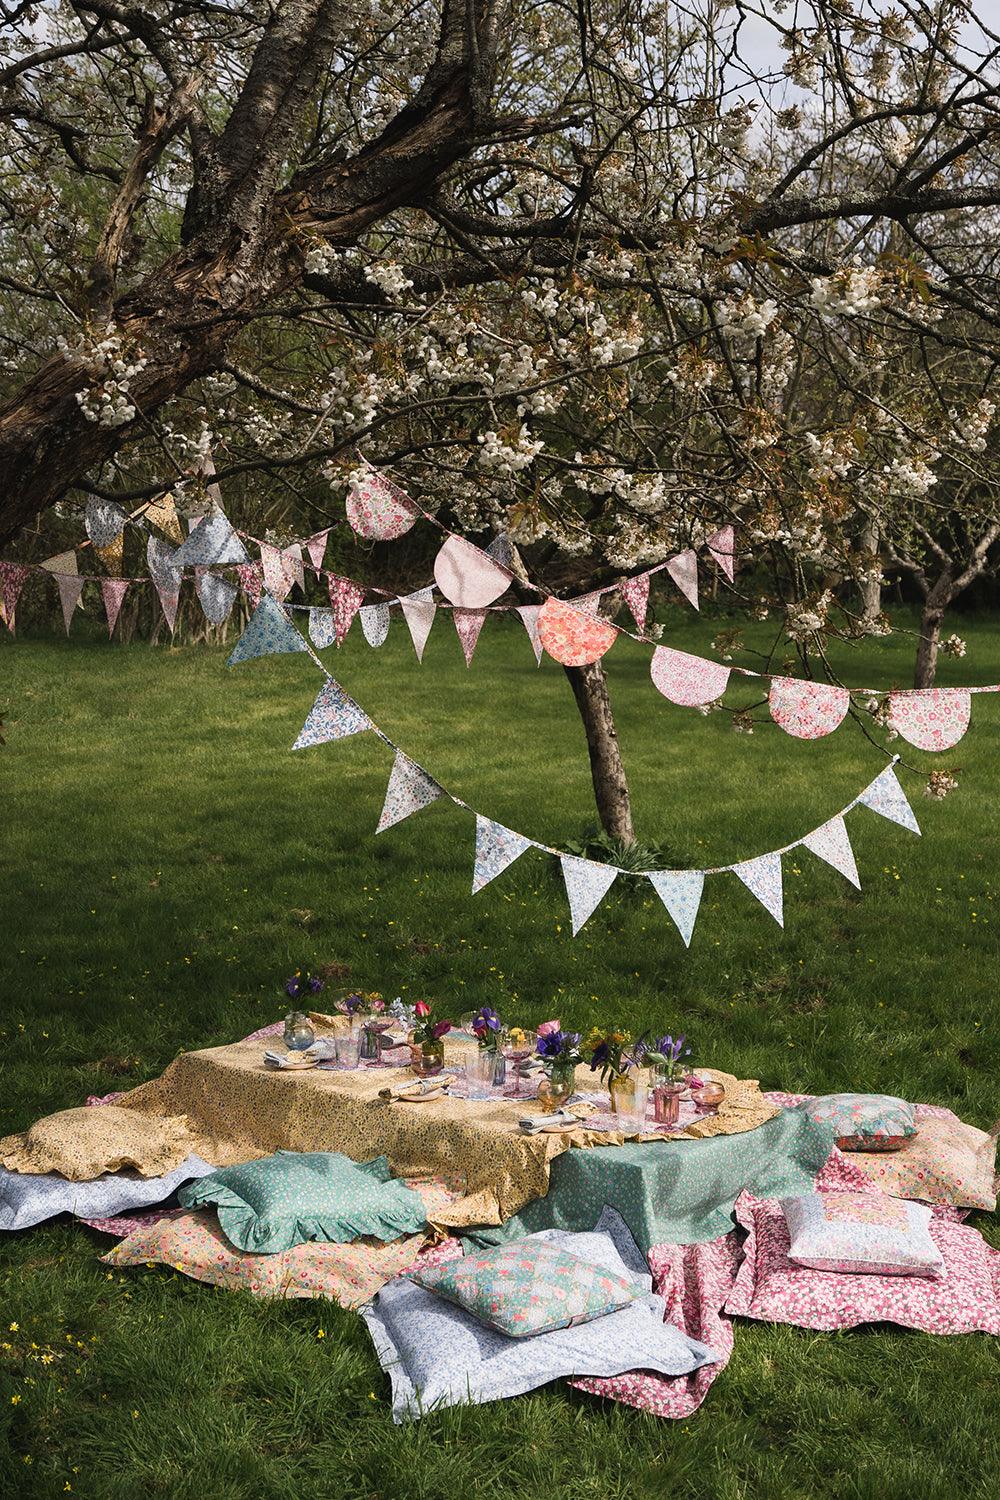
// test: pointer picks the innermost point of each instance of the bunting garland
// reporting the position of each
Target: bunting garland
(113, 590)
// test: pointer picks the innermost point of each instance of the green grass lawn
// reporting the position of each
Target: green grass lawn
(166, 861)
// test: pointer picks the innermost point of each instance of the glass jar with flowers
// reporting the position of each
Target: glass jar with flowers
(669, 1077)
(427, 1038)
(299, 1030)
(621, 1063)
(560, 1053)
(488, 1029)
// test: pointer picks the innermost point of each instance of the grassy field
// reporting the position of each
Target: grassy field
(166, 861)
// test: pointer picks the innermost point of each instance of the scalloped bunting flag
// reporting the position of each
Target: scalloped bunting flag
(375, 621)
(807, 710)
(687, 680)
(573, 636)
(933, 719)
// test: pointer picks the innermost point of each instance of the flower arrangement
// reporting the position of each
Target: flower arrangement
(360, 1004)
(613, 1052)
(557, 1048)
(487, 1027)
(302, 985)
(664, 1055)
(427, 1030)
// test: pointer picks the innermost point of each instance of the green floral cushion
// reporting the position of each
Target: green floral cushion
(528, 1287)
(283, 1200)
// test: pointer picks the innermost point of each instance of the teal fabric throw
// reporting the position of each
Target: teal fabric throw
(283, 1200)
(675, 1192)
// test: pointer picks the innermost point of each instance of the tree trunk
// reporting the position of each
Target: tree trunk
(614, 806)
(931, 616)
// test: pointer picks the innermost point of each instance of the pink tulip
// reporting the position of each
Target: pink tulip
(422, 1009)
(545, 1027)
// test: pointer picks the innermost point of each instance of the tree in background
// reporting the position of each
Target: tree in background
(603, 277)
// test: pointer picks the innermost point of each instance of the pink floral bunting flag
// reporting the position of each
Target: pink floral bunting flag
(295, 568)
(529, 619)
(496, 848)
(251, 576)
(467, 576)
(934, 719)
(375, 623)
(468, 624)
(12, 576)
(333, 716)
(723, 548)
(587, 883)
(276, 580)
(635, 592)
(346, 597)
(419, 610)
(316, 547)
(410, 789)
(113, 590)
(379, 510)
(685, 679)
(63, 562)
(572, 636)
(683, 569)
(70, 588)
(807, 710)
(832, 844)
(762, 876)
(680, 891)
(886, 797)
(165, 575)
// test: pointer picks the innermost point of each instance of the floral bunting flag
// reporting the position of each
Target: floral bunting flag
(212, 541)
(934, 719)
(346, 597)
(886, 797)
(468, 623)
(685, 679)
(163, 515)
(316, 547)
(205, 471)
(807, 710)
(295, 569)
(113, 555)
(63, 562)
(587, 883)
(268, 632)
(113, 590)
(683, 569)
(635, 592)
(680, 891)
(762, 876)
(529, 619)
(70, 587)
(379, 510)
(166, 578)
(418, 611)
(503, 551)
(723, 548)
(217, 596)
(572, 636)
(333, 716)
(104, 521)
(832, 844)
(467, 576)
(251, 577)
(496, 848)
(322, 632)
(410, 789)
(12, 576)
(374, 623)
(277, 580)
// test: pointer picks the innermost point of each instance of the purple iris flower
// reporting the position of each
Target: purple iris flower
(600, 1056)
(292, 987)
(315, 985)
(485, 1019)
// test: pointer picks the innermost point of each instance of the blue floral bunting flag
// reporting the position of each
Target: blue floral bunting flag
(374, 623)
(217, 596)
(496, 848)
(410, 789)
(587, 883)
(268, 632)
(322, 631)
(333, 716)
(762, 876)
(680, 891)
(213, 540)
(886, 797)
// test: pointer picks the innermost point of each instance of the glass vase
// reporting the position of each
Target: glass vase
(557, 1086)
(629, 1096)
(428, 1058)
(667, 1101)
(299, 1031)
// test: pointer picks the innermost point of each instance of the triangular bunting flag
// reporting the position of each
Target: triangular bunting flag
(501, 549)
(166, 578)
(723, 548)
(468, 623)
(831, 843)
(496, 848)
(316, 547)
(418, 611)
(410, 789)
(251, 578)
(63, 562)
(277, 580)
(113, 590)
(762, 876)
(333, 716)
(375, 623)
(587, 883)
(886, 797)
(268, 632)
(346, 597)
(680, 891)
(683, 569)
(467, 576)
(12, 576)
(113, 554)
(635, 592)
(70, 588)
(163, 515)
(321, 628)
(217, 596)
(529, 618)
(213, 540)
(104, 520)
(291, 561)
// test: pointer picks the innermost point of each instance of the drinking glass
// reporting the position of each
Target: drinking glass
(517, 1052)
(479, 1074)
(348, 1051)
(633, 1120)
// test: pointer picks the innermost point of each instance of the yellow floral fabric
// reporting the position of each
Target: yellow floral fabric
(81, 1144)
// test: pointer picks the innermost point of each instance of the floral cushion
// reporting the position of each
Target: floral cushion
(769, 1286)
(28, 1198)
(282, 1200)
(861, 1232)
(529, 1287)
(865, 1122)
(947, 1161)
(81, 1144)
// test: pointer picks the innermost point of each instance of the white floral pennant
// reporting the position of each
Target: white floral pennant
(104, 521)
(217, 596)
(762, 876)
(587, 883)
(496, 848)
(268, 633)
(419, 610)
(832, 844)
(213, 540)
(410, 789)
(333, 716)
(374, 623)
(680, 891)
(683, 569)
(529, 619)
(322, 631)
(886, 797)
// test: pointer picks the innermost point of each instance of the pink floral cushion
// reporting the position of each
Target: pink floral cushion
(861, 1232)
(946, 1161)
(770, 1287)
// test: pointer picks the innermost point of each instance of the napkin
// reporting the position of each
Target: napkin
(420, 1088)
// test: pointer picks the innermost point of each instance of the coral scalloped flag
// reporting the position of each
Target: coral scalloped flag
(468, 624)
(333, 716)
(807, 710)
(572, 636)
(685, 679)
(635, 592)
(831, 843)
(346, 597)
(496, 848)
(933, 719)
(410, 789)
(683, 569)
(723, 548)
(680, 891)
(587, 883)
(374, 623)
(12, 576)
(419, 610)
(886, 797)
(113, 590)
(269, 631)
(762, 876)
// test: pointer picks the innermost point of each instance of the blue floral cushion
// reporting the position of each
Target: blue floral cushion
(865, 1122)
(529, 1287)
(283, 1200)
(28, 1198)
(861, 1232)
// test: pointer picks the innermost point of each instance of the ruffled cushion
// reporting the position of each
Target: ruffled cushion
(81, 1144)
